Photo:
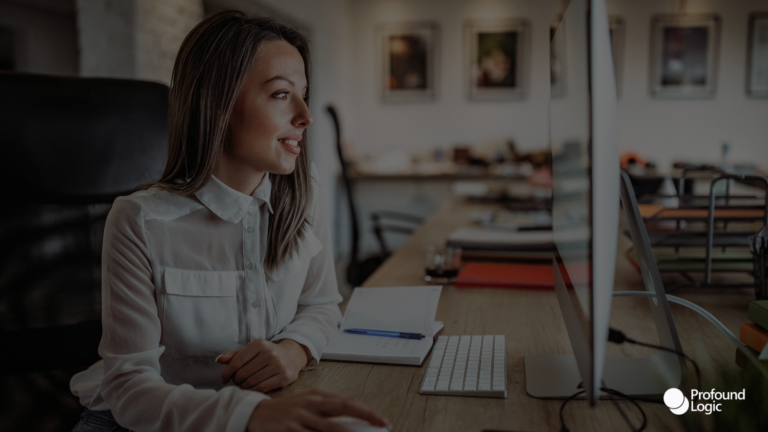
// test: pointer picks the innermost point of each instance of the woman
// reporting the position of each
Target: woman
(218, 279)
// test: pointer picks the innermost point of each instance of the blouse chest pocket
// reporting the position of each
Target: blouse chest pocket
(287, 281)
(200, 312)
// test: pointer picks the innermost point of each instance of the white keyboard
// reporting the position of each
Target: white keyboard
(467, 366)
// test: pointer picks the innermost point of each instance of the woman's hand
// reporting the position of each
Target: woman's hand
(309, 411)
(263, 365)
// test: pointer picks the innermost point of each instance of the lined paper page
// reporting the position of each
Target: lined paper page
(400, 309)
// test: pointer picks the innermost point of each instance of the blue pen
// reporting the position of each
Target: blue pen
(386, 333)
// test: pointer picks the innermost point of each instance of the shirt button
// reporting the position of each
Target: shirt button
(255, 303)
(250, 229)
(250, 266)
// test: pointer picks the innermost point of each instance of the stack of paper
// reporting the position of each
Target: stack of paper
(397, 309)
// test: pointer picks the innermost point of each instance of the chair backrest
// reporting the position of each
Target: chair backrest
(68, 148)
(347, 186)
(78, 139)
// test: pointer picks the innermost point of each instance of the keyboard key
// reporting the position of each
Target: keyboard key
(474, 365)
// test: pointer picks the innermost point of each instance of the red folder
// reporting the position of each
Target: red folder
(506, 275)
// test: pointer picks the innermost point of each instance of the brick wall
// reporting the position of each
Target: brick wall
(159, 31)
(133, 38)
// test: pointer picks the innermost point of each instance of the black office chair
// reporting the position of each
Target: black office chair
(359, 269)
(68, 148)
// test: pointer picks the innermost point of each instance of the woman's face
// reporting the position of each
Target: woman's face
(269, 116)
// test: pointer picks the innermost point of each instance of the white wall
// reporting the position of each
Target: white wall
(107, 44)
(663, 130)
(46, 40)
(376, 128)
(691, 130)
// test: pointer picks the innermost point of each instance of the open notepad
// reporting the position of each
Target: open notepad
(398, 309)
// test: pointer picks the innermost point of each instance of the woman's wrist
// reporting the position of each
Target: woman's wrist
(295, 346)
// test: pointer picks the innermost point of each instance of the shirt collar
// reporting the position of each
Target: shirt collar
(230, 204)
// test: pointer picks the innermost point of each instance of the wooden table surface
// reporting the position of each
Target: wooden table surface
(532, 323)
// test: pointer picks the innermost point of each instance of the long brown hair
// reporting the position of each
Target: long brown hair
(212, 62)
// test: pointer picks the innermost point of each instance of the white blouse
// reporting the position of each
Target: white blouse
(183, 281)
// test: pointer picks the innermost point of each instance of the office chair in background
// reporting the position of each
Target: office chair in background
(68, 148)
(359, 269)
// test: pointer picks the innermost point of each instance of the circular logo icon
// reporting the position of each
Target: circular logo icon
(676, 401)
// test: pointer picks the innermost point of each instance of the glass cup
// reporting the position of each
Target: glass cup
(442, 264)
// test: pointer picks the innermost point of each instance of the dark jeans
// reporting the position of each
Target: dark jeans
(98, 421)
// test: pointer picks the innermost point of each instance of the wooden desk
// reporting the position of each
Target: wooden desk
(532, 323)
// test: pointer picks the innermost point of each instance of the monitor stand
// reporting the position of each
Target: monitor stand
(558, 376)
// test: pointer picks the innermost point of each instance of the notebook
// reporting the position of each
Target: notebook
(399, 309)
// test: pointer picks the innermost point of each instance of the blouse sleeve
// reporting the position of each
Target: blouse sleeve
(132, 385)
(318, 316)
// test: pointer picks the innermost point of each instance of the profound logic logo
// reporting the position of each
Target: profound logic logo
(679, 404)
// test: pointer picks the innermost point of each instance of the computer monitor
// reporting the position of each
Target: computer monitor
(585, 213)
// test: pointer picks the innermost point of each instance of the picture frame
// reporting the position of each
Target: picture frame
(496, 59)
(407, 53)
(558, 64)
(684, 50)
(616, 29)
(757, 57)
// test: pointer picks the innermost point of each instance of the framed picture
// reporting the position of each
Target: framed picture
(757, 69)
(408, 60)
(684, 56)
(557, 62)
(496, 59)
(616, 28)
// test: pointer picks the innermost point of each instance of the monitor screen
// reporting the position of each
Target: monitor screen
(585, 179)
(570, 128)
(585, 213)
